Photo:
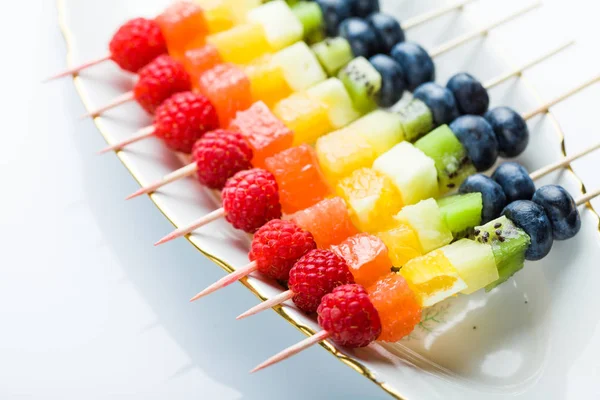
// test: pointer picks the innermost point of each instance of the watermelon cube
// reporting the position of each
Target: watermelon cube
(228, 89)
(199, 60)
(264, 132)
(301, 183)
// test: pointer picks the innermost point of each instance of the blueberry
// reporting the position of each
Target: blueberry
(511, 131)
(362, 8)
(388, 30)
(532, 218)
(417, 64)
(561, 210)
(492, 195)
(471, 97)
(334, 12)
(478, 138)
(361, 36)
(439, 100)
(392, 80)
(515, 181)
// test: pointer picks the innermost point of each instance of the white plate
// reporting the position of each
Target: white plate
(535, 336)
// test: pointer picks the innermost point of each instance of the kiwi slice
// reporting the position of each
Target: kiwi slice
(363, 82)
(450, 157)
(333, 54)
(461, 211)
(311, 17)
(417, 119)
(509, 244)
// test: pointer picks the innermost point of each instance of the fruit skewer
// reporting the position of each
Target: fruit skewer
(309, 114)
(353, 316)
(369, 259)
(409, 185)
(198, 165)
(272, 27)
(140, 40)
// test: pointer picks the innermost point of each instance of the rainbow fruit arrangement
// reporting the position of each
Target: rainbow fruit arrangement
(336, 190)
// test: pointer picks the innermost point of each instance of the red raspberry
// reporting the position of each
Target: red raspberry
(137, 43)
(219, 155)
(184, 118)
(277, 246)
(316, 274)
(159, 80)
(250, 199)
(349, 316)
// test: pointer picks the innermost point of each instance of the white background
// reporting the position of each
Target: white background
(88, 308)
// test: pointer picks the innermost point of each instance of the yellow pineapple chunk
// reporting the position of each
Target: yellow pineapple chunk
(402, 243)
(304, 115)
(432, 278)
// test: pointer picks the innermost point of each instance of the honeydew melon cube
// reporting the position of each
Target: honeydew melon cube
(300, 66)
(340, 110)
(426, 219)
(411, 170)
(474, 262)
(281, 26)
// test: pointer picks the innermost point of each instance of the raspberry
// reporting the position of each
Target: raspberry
(183, 119)
(349, 316)
(137, 43)
(251, 199)
(159, 80)
(219, 155)
(316, 274)
(277, 246)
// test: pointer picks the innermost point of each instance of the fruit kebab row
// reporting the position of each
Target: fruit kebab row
(368, 201)
(203, 162)
(370, 257)
(353, 316)
(183, 24)
(271, 77)
(438, 161)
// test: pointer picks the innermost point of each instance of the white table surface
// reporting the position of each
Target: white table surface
(88, 308)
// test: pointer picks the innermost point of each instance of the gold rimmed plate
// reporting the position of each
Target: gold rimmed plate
(525, 338)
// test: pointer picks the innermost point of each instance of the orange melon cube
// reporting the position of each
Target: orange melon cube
(241, 44)
(328, 221)
(265, 134)
(299, 178)
(397, 305)
(367, 257)
(228, 89)
(198, 61)
(183, 26)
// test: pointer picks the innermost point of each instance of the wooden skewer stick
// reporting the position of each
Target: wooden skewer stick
(228, 280)
(292, 350)
(139, 135)
(122, 99)
(519, 70)
(208, 218)
(586, 198)
(426, 17)
(76, 70)
(272, 302)
(182, 172)
(546, 107)
(467, 37)
(562, 163)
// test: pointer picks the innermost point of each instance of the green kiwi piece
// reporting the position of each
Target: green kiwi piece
(461, 211)
(417, 119)
(363, 82)
(333, 54)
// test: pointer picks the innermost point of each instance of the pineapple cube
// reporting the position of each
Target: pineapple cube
(281, 25)
(339, 105)
(432, 278)
(300, 66)
(402, 243)
(372, 199)
(474, 262)
(426, 219)
(306, 117)
(267, 80)
(411, 170)
(241, 44)
(358, 145)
